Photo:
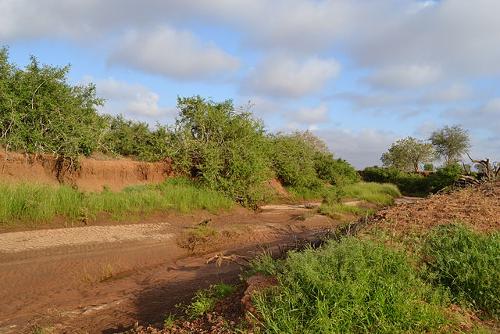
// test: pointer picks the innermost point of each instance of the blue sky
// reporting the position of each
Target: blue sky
(359, 74)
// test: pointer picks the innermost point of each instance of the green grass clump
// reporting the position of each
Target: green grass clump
(377, 193)
(348, 287)
(336, 210)
(36, 203)
(204, 300)
(307, 193)
(467, 263)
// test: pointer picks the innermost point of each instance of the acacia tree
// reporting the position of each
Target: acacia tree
(408, 154)
(450, 143)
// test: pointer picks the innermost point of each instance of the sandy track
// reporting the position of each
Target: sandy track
(101, 279)
(77, 236)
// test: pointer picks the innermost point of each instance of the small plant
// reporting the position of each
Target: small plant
(467, 263)
(222, 290)
(169, 321)
(204, 300)
(202, 303)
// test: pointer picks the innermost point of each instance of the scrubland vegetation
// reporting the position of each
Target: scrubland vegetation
(348, 287)
(222, 155)
(363, 285)
(220, 146)
(412, 183)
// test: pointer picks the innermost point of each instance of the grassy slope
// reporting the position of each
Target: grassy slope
(380, 282)
(33, 203)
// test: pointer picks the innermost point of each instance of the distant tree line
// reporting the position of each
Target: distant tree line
(405, 158)
(409, 154)
(215, 143)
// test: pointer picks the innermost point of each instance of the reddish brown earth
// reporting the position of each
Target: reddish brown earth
(94, 280)
(476, 207)
(92, 175)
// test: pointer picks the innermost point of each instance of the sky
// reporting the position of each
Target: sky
(359, 74)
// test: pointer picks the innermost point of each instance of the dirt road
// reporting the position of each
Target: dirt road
(102, 279)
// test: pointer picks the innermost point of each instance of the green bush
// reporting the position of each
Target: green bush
(135, 139)
(467, 263)
(335, 171)
(41, 112)
(293, 161)
(408, 183)
(444, 177)
(225, 149)
(376, 193)
(414, 184)
(348, 287)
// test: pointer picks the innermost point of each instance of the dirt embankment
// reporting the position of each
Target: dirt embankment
(91, 175)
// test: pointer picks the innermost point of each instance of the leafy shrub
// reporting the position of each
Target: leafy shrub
(225, 149)
(414, 184)
(335, 171)
(293, 161)
(466, 262)
(444, 177)
(348, 287)
(135, 139)
(408, 183)
(380, 174)
(42, 113)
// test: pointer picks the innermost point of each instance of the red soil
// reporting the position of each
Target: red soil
(92, 174)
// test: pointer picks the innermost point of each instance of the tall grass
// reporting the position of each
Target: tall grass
(348, 287)
(467, 263)
(377, 193)
(35, 203)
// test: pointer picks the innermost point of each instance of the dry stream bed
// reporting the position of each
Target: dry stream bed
(103, 279)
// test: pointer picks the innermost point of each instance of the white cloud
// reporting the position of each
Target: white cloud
(404, 76)
(453, 93)
(282, 76)
(361, 148)
(458, 35)
(129, 99)
(312, 115)
(174, 54)
(486, 116)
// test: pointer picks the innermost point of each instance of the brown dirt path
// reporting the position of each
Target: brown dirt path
(102, 279)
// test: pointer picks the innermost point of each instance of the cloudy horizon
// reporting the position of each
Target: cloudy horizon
(359, 74)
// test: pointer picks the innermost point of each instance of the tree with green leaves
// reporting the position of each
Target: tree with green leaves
(293, 160)
(224, 148)
(408, 154)
(450, 143)
(41, 112)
